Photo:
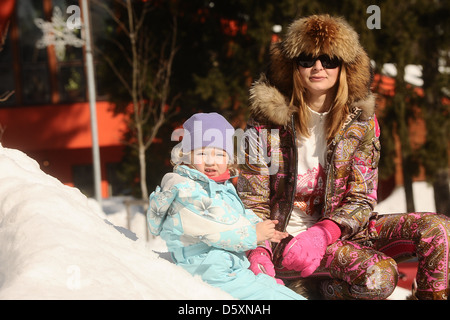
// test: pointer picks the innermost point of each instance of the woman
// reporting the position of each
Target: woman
(315, 102)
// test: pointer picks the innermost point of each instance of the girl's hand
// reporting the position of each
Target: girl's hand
(265, 230)
(278, 236)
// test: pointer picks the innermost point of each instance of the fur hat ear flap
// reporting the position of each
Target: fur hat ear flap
(359, 77)
(280, 70)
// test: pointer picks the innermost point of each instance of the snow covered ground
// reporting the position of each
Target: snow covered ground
(57, 244)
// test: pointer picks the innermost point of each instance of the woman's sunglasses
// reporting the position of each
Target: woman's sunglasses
(307, 61)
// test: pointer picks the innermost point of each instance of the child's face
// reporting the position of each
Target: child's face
(210, 161)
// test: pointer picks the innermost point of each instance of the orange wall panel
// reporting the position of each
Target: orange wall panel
(59, 126)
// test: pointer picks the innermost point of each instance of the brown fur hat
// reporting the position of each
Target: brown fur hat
(322, 34)
(317, 35)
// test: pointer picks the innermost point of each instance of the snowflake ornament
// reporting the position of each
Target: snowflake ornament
(57, 33)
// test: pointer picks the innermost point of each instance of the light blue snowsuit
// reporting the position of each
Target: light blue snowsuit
(207, 230)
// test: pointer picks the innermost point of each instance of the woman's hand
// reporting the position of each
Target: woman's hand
(304, 252)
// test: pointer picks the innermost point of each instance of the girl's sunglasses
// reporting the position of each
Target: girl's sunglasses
(307, 61)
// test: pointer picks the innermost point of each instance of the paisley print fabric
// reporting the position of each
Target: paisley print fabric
(369, 241)
(351, 169)
(425, 235)
(350, 270)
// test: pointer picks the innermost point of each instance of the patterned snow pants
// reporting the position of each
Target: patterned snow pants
(353, 271)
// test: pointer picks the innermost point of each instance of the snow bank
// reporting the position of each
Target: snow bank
(396, 202)
(56, 244)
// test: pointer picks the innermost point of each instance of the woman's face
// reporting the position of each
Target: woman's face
(210, 161)
(317, 79)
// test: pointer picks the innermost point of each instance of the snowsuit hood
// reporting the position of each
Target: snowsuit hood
(176, 184)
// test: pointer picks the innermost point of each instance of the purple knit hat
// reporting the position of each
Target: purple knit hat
(208, 130)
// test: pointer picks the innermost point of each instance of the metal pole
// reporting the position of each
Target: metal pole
(92, 102)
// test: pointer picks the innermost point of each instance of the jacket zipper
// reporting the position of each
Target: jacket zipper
(294, 189)
(278, 248)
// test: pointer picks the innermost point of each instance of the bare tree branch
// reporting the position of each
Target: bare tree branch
(123, 50)
(6, 95)
(144, 12)
(112, 15)
(149, 93)
(115, 70)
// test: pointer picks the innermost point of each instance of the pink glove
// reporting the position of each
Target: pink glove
(261, 262)
(304, 252)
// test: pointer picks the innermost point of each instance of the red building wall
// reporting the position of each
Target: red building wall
(59, 136)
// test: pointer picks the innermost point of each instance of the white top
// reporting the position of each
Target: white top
(311, 175)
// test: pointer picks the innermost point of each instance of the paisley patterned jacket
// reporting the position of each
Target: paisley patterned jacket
(268, 187)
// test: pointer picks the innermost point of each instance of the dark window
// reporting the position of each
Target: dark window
(7, 72)
(34, 75)
(117, 185)
(70, 68)
(83, 179)
(40, 75)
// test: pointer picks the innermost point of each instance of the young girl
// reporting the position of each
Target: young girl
(197, 211)
(316, 93)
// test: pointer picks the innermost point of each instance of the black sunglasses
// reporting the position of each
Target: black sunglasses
(307, 61)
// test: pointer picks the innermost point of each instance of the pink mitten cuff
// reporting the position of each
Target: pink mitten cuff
(266, 250)
(261, 262)
(334, 232)
(259, 251)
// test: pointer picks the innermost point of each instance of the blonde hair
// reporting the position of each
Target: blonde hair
(337, 113)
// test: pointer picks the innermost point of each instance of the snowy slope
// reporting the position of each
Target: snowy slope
(55, 244)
